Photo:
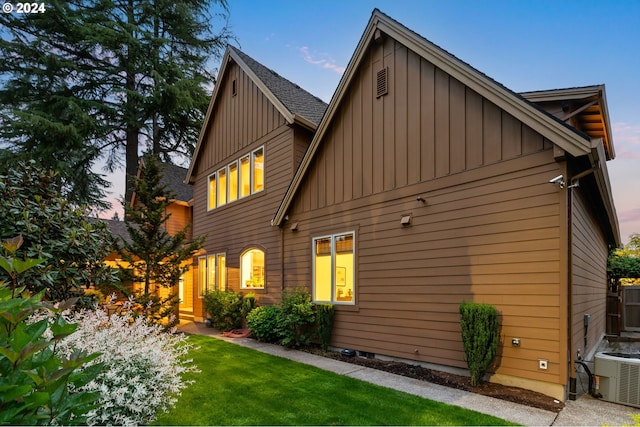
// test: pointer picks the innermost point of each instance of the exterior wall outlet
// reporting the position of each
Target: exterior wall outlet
(515, 342)
(542, 364)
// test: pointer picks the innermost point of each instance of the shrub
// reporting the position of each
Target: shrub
(143, 366)
(325, 314)
(225, 309)
(480, 335)
(263, 322)
(297, 317)
(34, 379)
(72, 246)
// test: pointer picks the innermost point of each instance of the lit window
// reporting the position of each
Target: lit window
(252, 269)
(222, 187)
(333, 269)
(258, 170)
(212, 191)
(245, 176)
(202, 276)
(233, 182)
(212, 273)
(222, 271)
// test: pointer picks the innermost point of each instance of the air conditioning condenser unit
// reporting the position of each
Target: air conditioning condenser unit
(619, 377)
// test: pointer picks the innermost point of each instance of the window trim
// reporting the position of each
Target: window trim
(226, 175)
(264, 274)
(205, 272)
(332, 254)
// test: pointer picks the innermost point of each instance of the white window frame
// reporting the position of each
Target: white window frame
(243, 279)
(205, 272)
(226, 191)
(334, 298)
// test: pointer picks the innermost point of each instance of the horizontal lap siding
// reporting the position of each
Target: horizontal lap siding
(589, 266)
(238, 125)
(489, 229)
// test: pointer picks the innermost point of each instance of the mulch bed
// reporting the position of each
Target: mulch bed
(499, 391)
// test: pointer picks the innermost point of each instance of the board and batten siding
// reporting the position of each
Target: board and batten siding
(488, 231)
(239, 124)
(589, 278)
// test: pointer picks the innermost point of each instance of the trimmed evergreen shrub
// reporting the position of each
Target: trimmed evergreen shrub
(480, 336)
(263, 323)
(224, 309)
(297, 317)
(325, 314)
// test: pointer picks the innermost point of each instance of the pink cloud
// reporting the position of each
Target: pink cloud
(626, 141)
(321, 59)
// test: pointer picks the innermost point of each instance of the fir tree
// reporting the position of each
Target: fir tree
(87, 79)
(156, 258)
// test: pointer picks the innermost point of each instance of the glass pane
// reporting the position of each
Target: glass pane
(211, 273)
(258, 170)
(245, 176)
(212, 191)
(222, 187)
(222, 272)
(202, 276)
(252, 274)
(233, 182)
(344, 277)
(322, 270)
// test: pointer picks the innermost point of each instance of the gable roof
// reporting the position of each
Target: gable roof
(173, 177)
(294, 103)
(590, 110)
(564, 136)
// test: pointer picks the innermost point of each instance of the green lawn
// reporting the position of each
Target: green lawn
(241, 386)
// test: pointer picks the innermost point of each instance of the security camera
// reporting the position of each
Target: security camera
(557, 179)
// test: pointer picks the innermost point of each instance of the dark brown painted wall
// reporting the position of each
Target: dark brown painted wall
(490, 229)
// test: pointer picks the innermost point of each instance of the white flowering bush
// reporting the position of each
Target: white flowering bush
(143, 366)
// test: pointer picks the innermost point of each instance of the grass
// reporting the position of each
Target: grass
(241, 386)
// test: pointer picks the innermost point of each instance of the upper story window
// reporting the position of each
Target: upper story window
(238, 179)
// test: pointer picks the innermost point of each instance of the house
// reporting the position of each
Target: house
(424, 184)
(257, 128)
(180, 216)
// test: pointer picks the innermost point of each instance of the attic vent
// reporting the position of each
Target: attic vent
(234, 88)
(381, 82)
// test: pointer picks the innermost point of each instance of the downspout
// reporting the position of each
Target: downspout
(572, 366)
(282, 256)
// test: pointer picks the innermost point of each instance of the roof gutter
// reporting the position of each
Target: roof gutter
(597, 157)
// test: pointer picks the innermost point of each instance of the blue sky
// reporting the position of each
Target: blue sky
(525, 45)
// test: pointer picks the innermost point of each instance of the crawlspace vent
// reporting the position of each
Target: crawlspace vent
(629, 384)
(381, 82)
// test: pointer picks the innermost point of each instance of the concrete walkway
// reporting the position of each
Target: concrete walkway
(585, 411)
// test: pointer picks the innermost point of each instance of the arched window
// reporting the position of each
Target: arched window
(252, 268)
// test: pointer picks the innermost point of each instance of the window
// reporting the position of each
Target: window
(245, 176)
(202, 276)
(258, 170)
(212, 191)
(212, 273)
(239, 179)
(252, 269)
(222, 187)
(233, 182)
(333, 269)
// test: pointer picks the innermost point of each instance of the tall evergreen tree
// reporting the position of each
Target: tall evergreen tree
(154, 257)
(92, 78)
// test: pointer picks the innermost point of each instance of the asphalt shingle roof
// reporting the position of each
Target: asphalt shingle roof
(297, 100)
(173, 177)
